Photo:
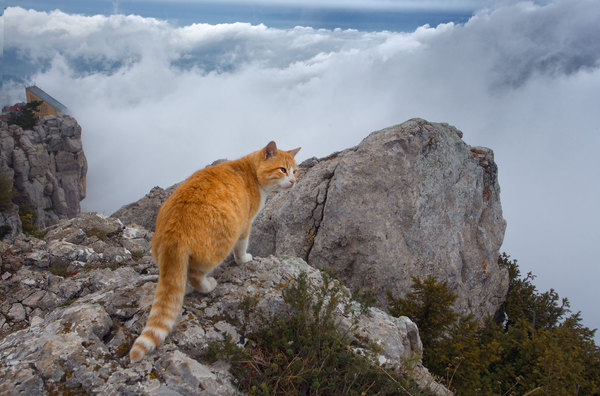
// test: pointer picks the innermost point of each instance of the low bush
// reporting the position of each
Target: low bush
(304, 353)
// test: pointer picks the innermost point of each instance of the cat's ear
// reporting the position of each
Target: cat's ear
(270, 150)
(294, 151)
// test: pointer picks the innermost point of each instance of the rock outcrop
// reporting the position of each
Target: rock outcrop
(48, 166)
(72, 304)
(410, 200)
(145, 210)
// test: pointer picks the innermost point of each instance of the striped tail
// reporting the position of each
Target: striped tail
(167, 304)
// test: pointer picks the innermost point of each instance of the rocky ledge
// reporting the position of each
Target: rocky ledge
(48, 166)
(73, 303)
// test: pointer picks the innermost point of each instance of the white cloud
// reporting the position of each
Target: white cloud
(157, 102)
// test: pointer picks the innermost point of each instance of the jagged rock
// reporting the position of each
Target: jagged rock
(48, 166)
(71, 333)
(145, 210)
(410, 200)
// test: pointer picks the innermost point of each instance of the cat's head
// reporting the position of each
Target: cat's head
(277, 169)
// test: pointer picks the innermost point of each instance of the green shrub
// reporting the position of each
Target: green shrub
(7, 191)
(429, 305)
(304, 353)
(532, 347)
(27, 117)
(95, 232)
(137, 255)
(28, 220)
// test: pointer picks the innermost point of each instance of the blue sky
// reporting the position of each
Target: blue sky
(163, 88)
(361, 15)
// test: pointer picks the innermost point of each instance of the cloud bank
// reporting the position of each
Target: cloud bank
(156, 102)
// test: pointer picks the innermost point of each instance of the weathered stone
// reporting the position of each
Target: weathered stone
(17, 312)
(134, 231)
(48, 166)
(38, 258)
(34, 298)
(81, 327)
(145, 210)
(66, 250)
(137, 245)
(10, 222)
(410, 200)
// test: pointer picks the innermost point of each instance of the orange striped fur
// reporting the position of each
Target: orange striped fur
(206, 217)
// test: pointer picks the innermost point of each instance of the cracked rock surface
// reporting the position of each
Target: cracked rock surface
(410, 200)
(69, 315)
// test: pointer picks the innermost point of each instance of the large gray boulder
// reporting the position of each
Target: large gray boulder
(410, 200)
(48, 166)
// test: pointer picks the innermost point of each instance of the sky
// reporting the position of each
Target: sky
(162, 88)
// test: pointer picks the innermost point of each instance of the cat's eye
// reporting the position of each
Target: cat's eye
(283, 170)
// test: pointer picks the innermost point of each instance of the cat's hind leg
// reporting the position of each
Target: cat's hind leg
(239, 251)
(201, 281)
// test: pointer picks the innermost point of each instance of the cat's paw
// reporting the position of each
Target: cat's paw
(208, 284)
(244, 259)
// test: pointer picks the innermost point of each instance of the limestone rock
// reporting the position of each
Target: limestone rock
(145, 210)
(48, 165)
(410, 200)
(71, 332)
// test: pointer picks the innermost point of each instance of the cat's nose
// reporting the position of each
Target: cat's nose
(292, 181)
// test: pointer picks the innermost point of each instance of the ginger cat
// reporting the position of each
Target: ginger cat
(205, 218)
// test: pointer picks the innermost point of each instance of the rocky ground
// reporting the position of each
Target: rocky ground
(73, 303)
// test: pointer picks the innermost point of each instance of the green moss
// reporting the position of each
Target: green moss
(58, 269)
(95, 232)
(122, 350)
(311, 234)
(153, 374)
(137, 255)
(67, 302)
(7, 191)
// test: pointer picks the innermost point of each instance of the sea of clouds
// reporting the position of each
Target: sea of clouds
(157, 101)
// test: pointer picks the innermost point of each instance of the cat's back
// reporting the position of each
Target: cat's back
(220, 191)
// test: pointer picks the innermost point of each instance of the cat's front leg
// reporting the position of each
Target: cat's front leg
(239, 251)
